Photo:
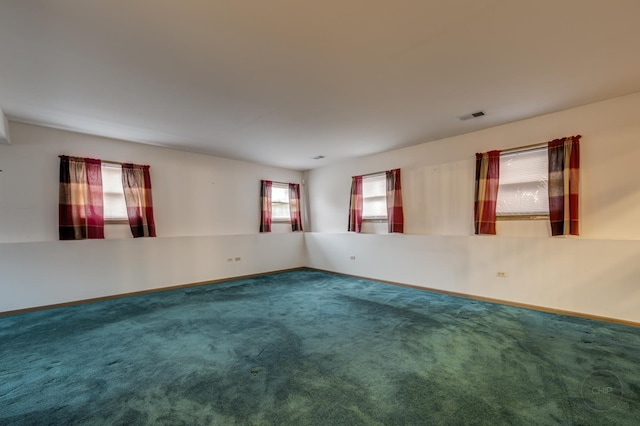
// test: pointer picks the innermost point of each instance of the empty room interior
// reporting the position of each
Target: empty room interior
(233, 104)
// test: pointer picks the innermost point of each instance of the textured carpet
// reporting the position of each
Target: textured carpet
(313, 348)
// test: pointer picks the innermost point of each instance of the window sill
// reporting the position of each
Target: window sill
(524, 217)
(116, 221)
(375, 219)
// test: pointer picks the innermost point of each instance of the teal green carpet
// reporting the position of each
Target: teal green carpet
(313, 348)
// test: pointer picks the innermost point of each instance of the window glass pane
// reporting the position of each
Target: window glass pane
(523, 187)
(280, 202)
(115, 207)
(279, 194)
(280, 211)
(374, 196)
(374, 186)
(111, 179)
(374, 207)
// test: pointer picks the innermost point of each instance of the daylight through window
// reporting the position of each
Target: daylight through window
(115, 208)
(523, 187)
(280, 202)
(374, 197)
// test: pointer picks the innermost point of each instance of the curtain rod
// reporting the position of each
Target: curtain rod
(525, 148)
(280, 183)
(103, 161)
(373, 174)
(531, 147)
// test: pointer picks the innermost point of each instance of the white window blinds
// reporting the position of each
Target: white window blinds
(523, 188)
(374, 197)
(115, 207)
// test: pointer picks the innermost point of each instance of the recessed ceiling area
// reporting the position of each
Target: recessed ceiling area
(275, 82)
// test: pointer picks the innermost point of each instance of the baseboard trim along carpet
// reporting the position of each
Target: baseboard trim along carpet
(434, 290)
(136, 293)
(498, 301)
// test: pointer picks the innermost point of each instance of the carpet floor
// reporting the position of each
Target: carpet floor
(313, 348)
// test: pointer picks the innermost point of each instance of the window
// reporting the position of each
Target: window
(115, 208)
(374, 197)
(523, 184)
(92, 194)
(280, 202)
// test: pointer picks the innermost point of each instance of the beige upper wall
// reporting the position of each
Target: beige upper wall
(438, 176)
(193, 194)
(207, 211)
(581, 275)
(437, 179)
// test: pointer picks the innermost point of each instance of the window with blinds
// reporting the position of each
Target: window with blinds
(374, 197)
(523, 184)
(115, 208)
(280, 202)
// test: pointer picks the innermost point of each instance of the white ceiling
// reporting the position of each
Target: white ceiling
(281, 81)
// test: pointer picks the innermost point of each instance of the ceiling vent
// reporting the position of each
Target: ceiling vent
(318, 157)
(472, 115)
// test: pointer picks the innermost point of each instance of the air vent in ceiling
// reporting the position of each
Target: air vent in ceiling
(472, 115)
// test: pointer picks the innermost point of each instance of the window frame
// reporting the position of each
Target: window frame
(526, 215)
(374, 219)
(280, 185)
(124, 220)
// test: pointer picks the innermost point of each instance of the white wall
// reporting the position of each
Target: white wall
(596, 273)
(206, 210)
(193, 194)
(44, 273)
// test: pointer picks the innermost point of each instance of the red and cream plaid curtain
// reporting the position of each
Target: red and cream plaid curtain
(486, 194)
(80, 208)
(294, 207)
(395, 217)
(564, 182)
(355, 206)
(265, 203)
(136, 183)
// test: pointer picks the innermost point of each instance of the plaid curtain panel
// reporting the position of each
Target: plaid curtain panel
(265, 203)
(355, 205)
(486, 193)
(564, 182)
(136, 183)
(294, 207)
(395, 216)
(80, 208)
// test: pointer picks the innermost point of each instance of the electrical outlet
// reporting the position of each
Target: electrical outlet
(229, 259)
(352, 257)
(238, 259)
(502, 274)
